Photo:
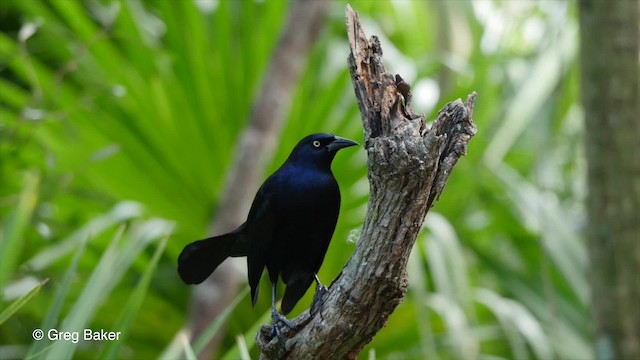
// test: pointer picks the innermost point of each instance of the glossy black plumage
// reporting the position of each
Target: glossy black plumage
(288, 228)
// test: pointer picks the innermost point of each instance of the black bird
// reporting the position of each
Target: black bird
(288, 229)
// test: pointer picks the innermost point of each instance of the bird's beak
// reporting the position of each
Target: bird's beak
(340, 143)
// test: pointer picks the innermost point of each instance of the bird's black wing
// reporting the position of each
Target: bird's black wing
(260, 227)
(307, 239)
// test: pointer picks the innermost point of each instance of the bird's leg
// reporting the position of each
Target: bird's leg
(276, 318)
(321, 290)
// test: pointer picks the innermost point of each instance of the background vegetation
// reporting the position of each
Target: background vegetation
(118, 121)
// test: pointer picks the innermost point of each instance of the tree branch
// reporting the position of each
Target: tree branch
(408, 166)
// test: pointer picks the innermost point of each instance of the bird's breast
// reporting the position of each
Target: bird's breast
(310, 190)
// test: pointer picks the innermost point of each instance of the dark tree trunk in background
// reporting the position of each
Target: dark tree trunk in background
(609, 57)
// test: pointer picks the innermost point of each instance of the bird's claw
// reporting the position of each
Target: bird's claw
(276, 318)
(318, 297)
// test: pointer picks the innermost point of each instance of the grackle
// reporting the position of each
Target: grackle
(288, 228)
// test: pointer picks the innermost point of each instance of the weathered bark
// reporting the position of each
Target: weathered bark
(609, 56)
(408, 166)
(256, 142)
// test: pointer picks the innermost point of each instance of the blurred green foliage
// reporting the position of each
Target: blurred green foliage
(118, 121)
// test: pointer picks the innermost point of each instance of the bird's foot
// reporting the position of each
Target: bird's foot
(318, 298)
(276, 318)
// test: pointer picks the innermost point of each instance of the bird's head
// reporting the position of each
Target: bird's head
(319, 148)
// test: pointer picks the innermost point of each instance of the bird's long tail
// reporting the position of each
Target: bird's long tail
(200, 258)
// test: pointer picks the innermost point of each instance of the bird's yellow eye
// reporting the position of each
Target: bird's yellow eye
(316, 143)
